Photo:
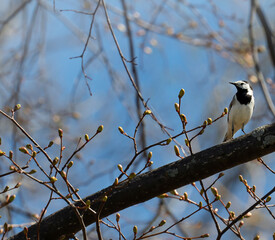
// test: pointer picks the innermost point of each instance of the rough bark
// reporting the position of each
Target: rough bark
(166, 178)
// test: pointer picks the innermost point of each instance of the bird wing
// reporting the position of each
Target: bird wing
(230, 106)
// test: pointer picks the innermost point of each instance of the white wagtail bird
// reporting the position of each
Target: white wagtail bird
(240, 109)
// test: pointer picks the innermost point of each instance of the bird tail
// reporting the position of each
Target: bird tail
(225, 138)
(228, 135)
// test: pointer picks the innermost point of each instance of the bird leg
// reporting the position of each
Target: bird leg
(232, 129)
(243, 129)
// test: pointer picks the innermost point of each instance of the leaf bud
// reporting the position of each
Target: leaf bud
(23, 150)
(6, 188)
(162, 223)
(120, 129)
(88, 203)
(147, 112)
(183, 118)
(34, 153)
(32, 171)
(200, 204)
(181, 93)
(209, 121)
(2, 153)
(205, 235)
(201, 132)
(70, 164)
(50, 144)
(63, 174)
(104, 199)
(221, 174)
(135, 229)
(268, 199)
(132, 175)
(225, 110)
(168, 141)
(177, 107)
(117, 217)
(248, 215)
(11, 198)
(214, 191)
(152, 228)
(13, 168)
(253, 188)
(241, 224)
(241, 178)
(60, 132)
(53, 179)
(218, 197)
(150, 164)
(116, 182)
(257, 237)
(10, 154)
(17, 107)
(174, 192)
(29, 146)
(185, 196)
(187, 142)
(18, 185)
(177, 151)
(86, 137)
(100, 129)
(149, 156)
(164, 195)
(55, 161)
(228, 205)
(232, 214)
(120, 168)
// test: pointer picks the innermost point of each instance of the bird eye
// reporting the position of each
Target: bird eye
(241, 83)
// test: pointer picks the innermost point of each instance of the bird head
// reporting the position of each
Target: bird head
(242, 85)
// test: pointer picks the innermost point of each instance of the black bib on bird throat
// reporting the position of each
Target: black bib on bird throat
(243, 97)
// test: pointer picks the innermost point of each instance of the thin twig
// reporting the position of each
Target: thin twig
(257, 67)
(245, 212)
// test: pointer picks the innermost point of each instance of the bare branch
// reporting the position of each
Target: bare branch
(151, 184)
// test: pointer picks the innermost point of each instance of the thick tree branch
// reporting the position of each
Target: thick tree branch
(151, 184)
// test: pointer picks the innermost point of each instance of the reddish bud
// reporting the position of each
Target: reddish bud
(60, 132)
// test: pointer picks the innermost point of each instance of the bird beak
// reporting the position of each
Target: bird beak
(233, 83)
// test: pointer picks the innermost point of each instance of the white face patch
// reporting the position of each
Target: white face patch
(244, 85)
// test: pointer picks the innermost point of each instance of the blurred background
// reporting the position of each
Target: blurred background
(64, 77)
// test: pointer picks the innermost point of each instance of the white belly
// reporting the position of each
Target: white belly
(239, 116)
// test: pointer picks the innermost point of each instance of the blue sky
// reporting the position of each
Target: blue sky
(51, 75)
